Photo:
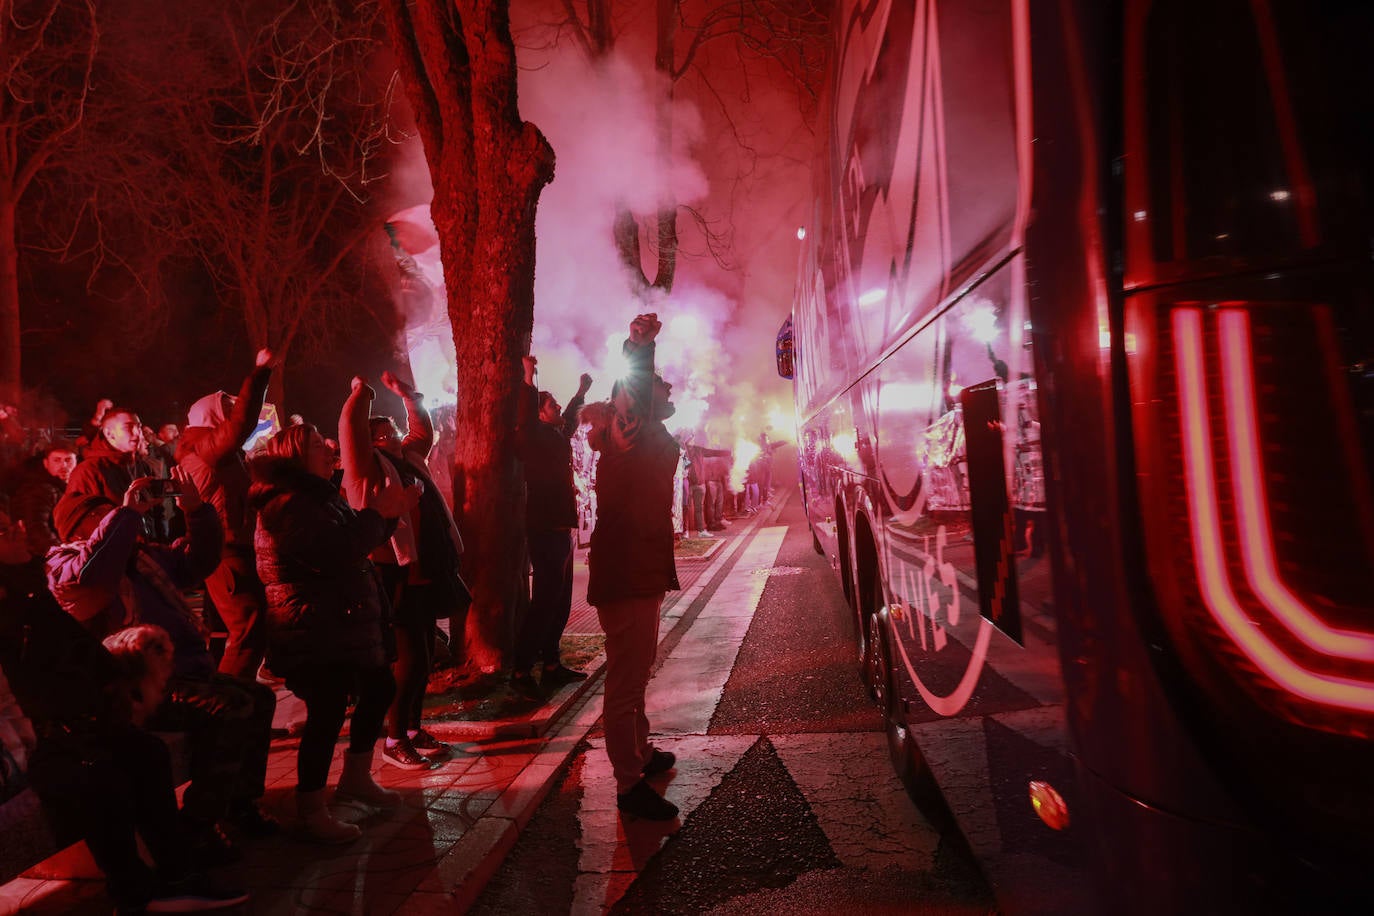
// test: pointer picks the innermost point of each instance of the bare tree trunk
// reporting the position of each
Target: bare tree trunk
(9, 304)
(488, 168)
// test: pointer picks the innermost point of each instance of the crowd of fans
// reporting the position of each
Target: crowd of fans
(326, 565)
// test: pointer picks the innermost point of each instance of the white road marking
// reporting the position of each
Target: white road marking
(685, 691)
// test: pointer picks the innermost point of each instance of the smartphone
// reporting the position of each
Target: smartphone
(162, 487)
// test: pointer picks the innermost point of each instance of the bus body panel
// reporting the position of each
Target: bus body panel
(987, 325)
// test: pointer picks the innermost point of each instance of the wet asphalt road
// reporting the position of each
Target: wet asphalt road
(756, 845)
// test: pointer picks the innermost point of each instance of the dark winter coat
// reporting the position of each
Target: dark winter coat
(98, 581)
(546, 454)
(631, 552)
(213, 455)
(698, 458)
(105, 472)
(323, 606)
(35, 498)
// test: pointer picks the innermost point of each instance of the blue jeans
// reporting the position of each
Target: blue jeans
(698, 522)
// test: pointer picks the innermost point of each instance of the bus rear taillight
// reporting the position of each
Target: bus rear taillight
(1257, 509)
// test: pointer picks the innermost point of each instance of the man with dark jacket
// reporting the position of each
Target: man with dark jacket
(211, 449)
(542, 432)
(38, 491)
(631, 560)
(113, 459)
(108, 577)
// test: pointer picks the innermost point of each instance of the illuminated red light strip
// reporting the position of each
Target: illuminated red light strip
(1247, 476)
(1205, 521)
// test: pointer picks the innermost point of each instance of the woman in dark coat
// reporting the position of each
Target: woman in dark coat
(324, 615)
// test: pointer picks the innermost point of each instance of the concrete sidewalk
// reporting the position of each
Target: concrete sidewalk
(436, 852)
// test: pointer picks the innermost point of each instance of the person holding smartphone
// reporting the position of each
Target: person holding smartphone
(109, 576)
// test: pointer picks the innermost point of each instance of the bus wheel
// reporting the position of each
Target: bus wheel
(877, 665)
(882, 683)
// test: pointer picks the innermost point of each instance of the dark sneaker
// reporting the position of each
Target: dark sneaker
(560, 675)
(660, 762)
(525, 686)
(194, 894)
(402, 754)
(250, 820)
(428, 745)
(643, 801)
(208, 846)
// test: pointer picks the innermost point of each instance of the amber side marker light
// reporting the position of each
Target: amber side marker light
(1049, 805)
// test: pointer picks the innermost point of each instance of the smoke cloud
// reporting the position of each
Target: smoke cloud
(719, 326)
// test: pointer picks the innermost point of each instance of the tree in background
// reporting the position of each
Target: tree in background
(488, 167)
(47, 51)
(791, 35)
(265, 129)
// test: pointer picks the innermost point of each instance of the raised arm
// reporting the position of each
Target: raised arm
(419, 438)
(243, 419)
(574, 408)
(361, 471)
(635, 400)
(527, 407)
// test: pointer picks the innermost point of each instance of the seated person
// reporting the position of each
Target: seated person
(99, 776)
(109, 576)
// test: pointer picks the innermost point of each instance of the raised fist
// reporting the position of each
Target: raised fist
(645, 328)
(358, 383)
(400, 388)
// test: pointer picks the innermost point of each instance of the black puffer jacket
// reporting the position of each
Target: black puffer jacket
(323, 607)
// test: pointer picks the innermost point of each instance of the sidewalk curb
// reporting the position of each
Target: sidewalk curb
(462, 874)
(569, 694)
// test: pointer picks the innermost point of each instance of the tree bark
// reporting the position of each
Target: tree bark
(9, 304)
(488, 168)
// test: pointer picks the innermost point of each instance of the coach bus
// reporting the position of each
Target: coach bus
(1083, 359)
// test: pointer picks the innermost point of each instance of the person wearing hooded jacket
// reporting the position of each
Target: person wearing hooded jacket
(325, 626)
(110, 463)
(211, 450)
(631, 560)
